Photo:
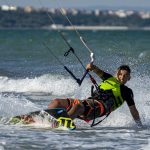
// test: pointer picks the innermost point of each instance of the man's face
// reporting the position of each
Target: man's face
(123, 76)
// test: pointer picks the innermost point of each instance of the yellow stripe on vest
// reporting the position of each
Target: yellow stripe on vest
(114, 85)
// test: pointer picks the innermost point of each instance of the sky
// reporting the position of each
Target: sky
(135, 4)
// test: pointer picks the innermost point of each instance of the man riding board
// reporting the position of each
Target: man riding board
(111, 95)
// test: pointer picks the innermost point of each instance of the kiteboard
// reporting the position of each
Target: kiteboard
(56, 117)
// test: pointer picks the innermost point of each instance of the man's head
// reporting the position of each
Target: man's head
(123, 74)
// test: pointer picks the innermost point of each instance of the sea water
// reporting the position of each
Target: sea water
(30, 77)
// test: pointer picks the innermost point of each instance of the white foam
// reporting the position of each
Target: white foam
(55, 84)
(59, 86)
(13, 105)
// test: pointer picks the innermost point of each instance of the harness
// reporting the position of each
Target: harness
(101, 97)
(109, 93)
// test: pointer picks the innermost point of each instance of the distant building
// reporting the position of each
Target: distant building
(129, 12)
(121, 13)
(13, 8)
(87, 12)
(97, 12)
(28, 9)
(5, 8)
(144, 15)
(74, 12)
(111, 13)
(8, 8)
(52, 10)
(64, 11)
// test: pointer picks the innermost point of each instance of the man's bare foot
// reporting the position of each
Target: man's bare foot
(27, 119)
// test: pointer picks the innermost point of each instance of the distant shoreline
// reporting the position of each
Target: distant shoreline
(61, 27)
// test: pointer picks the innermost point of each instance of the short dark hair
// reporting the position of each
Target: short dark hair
(125, 67)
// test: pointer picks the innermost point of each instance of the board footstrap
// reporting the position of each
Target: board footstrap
(66, 122)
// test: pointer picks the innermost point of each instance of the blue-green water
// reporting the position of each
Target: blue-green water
(30, 77)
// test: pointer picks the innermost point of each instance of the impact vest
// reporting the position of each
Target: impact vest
(114, 85)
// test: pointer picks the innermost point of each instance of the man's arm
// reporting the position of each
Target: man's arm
(95, 69)
(135, 115)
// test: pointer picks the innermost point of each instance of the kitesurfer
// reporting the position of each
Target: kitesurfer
(111, 95)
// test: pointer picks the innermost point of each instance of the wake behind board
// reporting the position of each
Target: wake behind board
(57, 117)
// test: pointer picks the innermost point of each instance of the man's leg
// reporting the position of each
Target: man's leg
(58, 103)
(93, 109)
(75, 106)
(62, 104)
(76, 109)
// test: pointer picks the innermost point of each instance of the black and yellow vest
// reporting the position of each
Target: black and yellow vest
(114, 85)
